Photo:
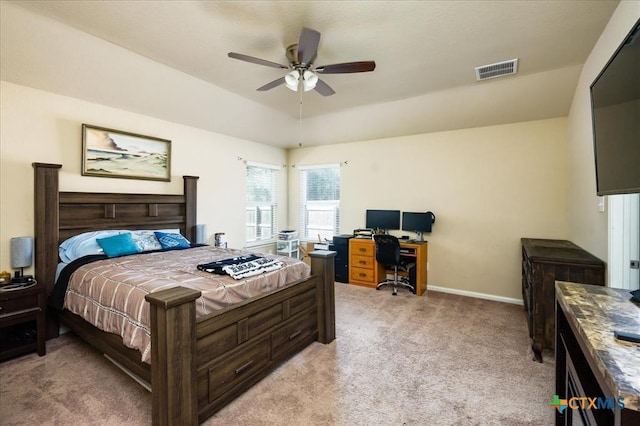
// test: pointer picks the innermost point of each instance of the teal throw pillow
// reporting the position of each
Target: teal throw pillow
(118, 245)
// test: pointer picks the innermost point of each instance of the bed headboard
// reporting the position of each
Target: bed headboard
(60, 215)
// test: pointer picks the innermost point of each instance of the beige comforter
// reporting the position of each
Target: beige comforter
(110, 293)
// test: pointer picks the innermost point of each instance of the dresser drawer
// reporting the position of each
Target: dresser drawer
(246, 361)
(362, 275)
(362, 262)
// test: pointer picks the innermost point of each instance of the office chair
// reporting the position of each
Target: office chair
(388, 254)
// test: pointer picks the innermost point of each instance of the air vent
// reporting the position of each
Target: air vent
(500, 69)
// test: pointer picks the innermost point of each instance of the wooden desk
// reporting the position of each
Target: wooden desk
(365, 271)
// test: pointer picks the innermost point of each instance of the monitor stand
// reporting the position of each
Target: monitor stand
(419, 238)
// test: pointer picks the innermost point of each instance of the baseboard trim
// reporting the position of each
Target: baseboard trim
(475, 294)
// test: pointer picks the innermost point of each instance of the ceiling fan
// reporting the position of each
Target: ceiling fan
(303, 72)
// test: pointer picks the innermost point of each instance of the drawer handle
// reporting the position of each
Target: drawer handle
(244, 367)
(362, 262)
(362, 275)
(362, 249)
(294, 335)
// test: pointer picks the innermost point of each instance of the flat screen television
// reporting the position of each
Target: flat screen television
(615, 107)
(383, 219)
(418, 223)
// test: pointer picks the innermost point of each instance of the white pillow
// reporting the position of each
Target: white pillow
(83, 244)
(146, 239)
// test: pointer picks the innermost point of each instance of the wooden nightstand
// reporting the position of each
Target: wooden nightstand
(22, 321)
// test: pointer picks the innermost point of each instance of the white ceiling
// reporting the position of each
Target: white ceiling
(425, 53)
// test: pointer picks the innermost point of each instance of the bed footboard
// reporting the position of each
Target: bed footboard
(198, 367)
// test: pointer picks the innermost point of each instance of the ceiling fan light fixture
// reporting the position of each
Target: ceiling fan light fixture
(301, 57)
(309, 80)
(291, 79)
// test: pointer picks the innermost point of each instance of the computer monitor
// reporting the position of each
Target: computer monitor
(417, 222)
(383, 219)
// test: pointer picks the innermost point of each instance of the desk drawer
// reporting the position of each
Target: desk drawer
(362, 275)
(363, 249)
(362, 262)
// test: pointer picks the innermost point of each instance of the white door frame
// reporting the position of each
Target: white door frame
(624, 240)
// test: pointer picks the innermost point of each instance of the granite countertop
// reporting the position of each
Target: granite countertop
(596, 312)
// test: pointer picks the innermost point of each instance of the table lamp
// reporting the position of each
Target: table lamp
(21, 257)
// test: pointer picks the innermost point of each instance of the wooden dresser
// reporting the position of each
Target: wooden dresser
(365, 271)
(543, 263)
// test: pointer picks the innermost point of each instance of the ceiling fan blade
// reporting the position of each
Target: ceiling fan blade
(258, 61)
(323, 88)
(269, 86)
(347, 67)
(308, 46)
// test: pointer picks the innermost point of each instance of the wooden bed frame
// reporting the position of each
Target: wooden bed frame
(197, 366)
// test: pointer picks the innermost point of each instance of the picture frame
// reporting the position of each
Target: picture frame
(119, 154)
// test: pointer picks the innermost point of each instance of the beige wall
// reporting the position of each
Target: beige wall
(488, 187)
(472, 179)
(588, 226)
(38, 126)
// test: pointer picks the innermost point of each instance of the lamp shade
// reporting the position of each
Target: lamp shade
(201, 233)
(291, 80)
(309, 80)
(21, 252)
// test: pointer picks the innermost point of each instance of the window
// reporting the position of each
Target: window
(262, 207)
(320, 201)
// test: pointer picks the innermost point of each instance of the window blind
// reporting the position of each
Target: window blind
(262, 206)
(319, 202)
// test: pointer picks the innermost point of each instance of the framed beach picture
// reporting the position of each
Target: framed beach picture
(113, 153)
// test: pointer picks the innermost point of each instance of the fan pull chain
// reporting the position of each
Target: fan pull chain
(300, 120)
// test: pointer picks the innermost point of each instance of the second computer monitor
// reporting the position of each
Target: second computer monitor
(417, 222)
(383, 219)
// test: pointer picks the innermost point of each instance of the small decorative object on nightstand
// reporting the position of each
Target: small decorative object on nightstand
(22, 320)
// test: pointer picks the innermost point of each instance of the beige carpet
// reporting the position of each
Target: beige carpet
(435, 360)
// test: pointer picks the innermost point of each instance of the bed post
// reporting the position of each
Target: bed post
(173, 351)
(45, 204)
(323, 266)
(46, 232)
(190, 192)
